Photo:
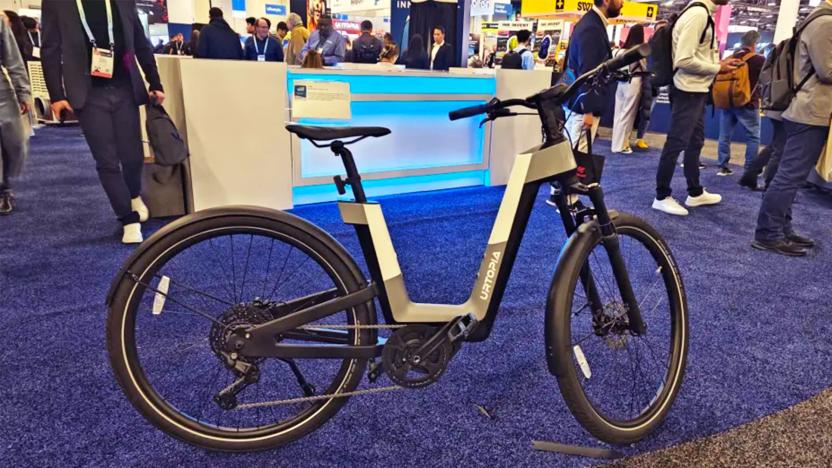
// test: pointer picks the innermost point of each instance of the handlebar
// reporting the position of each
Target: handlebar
(557, 92)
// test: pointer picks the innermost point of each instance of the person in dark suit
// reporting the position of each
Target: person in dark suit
(261, 46)
(104, 93)
(442, 53)
(217, 40)
(416, 57)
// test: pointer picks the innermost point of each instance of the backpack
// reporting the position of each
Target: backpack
(661, 59)
(777, 81)
(367, 51)
(513, 60)
(168, 146)
(732, 89)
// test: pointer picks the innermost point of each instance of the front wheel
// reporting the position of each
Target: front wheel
(618, 385)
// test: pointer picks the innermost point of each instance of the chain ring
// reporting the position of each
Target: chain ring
(398, 352)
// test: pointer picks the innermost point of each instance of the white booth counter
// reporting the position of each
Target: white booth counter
(235, 115)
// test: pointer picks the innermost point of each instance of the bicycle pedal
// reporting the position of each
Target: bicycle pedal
(374, 372)
(462, 328)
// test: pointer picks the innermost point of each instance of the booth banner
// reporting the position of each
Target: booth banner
(315, 9)
(482, 7)
(156, 10)
(321, 100)
(547, 40)
(344, 6)
(347, 27)
(506, 36)
(631, 11)
(399, 17)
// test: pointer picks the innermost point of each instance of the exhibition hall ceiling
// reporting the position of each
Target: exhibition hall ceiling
(759, 13)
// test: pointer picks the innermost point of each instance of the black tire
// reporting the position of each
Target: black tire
(158, 403)
(599, 409)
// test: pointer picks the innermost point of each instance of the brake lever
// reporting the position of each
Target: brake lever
(496, 115)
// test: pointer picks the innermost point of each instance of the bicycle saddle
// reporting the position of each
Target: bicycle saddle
(333, 133)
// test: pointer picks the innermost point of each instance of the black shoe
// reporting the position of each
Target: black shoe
(551, 201)
(800, 241)
(749, 182)
(782, 247)
(723, 171)
(6, 203)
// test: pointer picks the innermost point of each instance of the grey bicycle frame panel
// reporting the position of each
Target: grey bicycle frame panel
(533, 165)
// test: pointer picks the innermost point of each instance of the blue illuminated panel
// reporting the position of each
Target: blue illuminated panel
(375, 188)
(393, 84)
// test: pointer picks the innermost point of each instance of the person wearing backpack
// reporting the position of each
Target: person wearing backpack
(366, 48)
(521, 58)
(695, 63)
(747, 113)
(806, 120)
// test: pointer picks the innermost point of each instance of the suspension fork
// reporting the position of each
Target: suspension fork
(612, 244)
(571, 224)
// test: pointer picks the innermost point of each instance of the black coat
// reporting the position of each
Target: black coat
(218, 41)
(274, 52)
(444, 57)
(418, 61)
(589, 46)
(66, 52)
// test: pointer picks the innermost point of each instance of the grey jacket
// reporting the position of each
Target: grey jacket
(813, 103)
(14, 89)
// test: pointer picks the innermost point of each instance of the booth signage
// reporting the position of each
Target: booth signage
(321, 100)
(504, 9)
(630, 11)
(482, 7)
(275, 10)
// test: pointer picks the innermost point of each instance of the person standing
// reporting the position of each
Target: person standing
(366, 48)
(416, 57)
(32, 31)
(217, 40)
(521, 57)
(15, 93)
(20, 34)
(251, 25)
(696, 61)
(628, 96)
(806, 122)
(328, 42)
(193, 44)
(297, 40)
(442, 53)
(749, 115)
(281, 32)
(176, 45)
(262, 47)
(90, 50)
(768, 159)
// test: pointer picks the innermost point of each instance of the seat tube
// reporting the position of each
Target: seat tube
(612, 245)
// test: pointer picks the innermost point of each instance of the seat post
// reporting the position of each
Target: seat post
(353, 177)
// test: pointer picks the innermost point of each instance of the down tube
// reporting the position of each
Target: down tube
(518, 230)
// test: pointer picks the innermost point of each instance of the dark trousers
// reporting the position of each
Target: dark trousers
(803, 146)
(769, 157)
(110, 120)
(687, 133)
(6, 181)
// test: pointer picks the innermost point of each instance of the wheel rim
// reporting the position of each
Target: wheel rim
(178, 379)
(627, 380)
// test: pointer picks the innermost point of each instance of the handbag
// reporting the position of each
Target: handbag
(169, 148)
(590, 165)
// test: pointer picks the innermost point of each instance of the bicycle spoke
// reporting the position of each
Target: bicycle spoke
(245, 269)
(233, 270)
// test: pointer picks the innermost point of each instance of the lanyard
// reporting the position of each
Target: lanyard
(32, 38)
(265, 46)
(87, 26)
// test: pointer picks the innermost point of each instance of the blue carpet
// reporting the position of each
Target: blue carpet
(760, 327)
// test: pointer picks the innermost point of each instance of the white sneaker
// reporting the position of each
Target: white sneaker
(139, 207)
(132, 234)
(670, 206)
(704, 199)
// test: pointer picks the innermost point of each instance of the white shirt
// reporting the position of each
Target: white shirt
(697, 62)
(602, 15)
(433, 52)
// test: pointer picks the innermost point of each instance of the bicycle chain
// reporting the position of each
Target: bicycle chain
(349, 327)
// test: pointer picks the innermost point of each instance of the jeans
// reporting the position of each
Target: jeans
(803, 147)
(769, 157)
(748, 118)
(110, 121)
(687, 133)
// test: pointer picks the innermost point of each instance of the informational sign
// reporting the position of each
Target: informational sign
(399, 20)
(321, 100)
(631, 11)
(505, 36)
(275, 10)
(482, 7)
(503, 9)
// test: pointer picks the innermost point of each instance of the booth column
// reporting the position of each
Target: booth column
(786, 19)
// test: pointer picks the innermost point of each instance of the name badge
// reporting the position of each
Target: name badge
(261, 58)
(36, 52)
(102, 63)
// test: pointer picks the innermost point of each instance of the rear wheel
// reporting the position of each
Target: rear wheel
(618, 385)
(178, 302)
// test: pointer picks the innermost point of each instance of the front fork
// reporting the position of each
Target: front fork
(612, 244)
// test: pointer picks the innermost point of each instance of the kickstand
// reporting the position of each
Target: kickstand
(592, 452)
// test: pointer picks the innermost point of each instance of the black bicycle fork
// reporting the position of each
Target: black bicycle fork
(612, 244)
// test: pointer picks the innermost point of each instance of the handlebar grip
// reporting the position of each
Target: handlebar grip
(469, 111)
(629, 57)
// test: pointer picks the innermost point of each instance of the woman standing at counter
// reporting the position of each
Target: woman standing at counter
(416, 56)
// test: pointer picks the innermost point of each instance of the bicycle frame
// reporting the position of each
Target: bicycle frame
(530, 169)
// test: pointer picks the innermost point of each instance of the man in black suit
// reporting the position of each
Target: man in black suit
(442, 53)
(89, 62)
(217, 40)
